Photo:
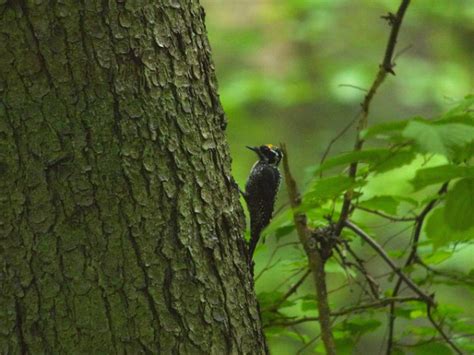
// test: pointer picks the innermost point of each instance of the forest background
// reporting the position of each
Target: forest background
(294, 71)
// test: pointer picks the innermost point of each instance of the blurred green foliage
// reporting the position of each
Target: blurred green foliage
(295, 71)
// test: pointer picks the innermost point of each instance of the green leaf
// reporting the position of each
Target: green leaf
(379, 159)
(368, 155)
(439, 232)
(395, 160)
(459, 211)
(284, 230)
(464, 118)
(408, 308)
(432, 137)
(332, 266)
(359, 325)
(388, 204)
(304, 338)
(464, 114)
(440, 174)
(397, 351)
(327, 189)
(266, 299)
(309, 305)
(419, 313)
(384, 130)
(344, 345)
(274, 331)
(420, 331)
(437, 257)
(432, 348)
(465, 107)
(450, 311)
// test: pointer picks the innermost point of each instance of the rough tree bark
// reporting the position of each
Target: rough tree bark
(120, 227)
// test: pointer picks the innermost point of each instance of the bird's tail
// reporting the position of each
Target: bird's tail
(254, 238)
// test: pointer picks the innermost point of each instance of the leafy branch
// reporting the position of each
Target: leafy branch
(379, 250)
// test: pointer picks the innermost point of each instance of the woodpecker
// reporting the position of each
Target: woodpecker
(261, 190)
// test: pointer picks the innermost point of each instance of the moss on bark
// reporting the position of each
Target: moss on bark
(121, 229)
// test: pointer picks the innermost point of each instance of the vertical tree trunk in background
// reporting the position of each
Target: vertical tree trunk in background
(120, 229)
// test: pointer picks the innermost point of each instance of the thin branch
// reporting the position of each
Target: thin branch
(316, 262)
(440, 330)
(412, 257)
(353, 87)
(387, 216)
(453, 275)
(269, 264)
(402, 51)
(336, 138)
(385, 68)
(374, 286)
(428, 299)
(288, 293)
(363, 307)
(304, 347)
(287, 279)
(433, 339)
(419, 224)
(345, 264)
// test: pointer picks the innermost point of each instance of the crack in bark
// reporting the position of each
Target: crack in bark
(19, 328)
(146, 289)
(42, 61)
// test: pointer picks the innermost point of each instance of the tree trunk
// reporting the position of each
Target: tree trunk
(120, 226)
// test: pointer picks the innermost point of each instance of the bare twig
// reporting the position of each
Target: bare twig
(387, 216)
(385, 68)
(336, 138)
(287, 279)
(440, 330)
(453, 276)
(374, 286)
(359, 266)
(428, 299)
(350, 310)
(352, 86)
(402, 51)
(433, 339)
(269, 264)
(305, 346)
(288, 293)
(316, 262)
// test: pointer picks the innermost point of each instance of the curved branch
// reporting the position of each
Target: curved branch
(428, 299)
(440, 330)
(412, 257)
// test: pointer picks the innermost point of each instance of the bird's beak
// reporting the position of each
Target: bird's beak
(255, 149)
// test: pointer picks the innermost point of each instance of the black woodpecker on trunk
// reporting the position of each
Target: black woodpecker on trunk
(261, 190)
